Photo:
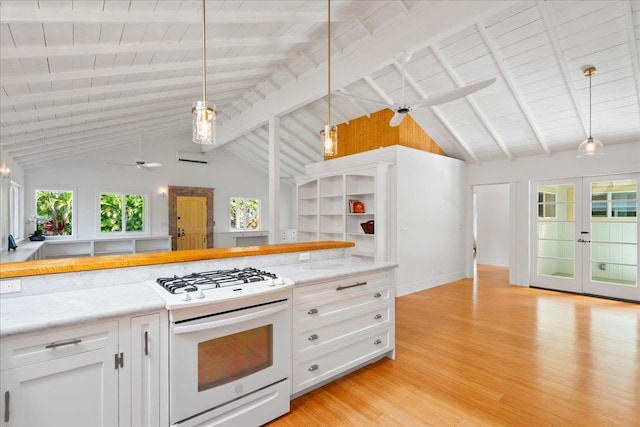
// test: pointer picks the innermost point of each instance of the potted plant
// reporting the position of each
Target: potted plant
(37, 233)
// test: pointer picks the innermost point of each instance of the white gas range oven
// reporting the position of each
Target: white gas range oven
(229, 347)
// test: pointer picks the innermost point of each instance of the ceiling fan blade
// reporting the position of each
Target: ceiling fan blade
(121, 164)
(454, 94)
(397, 119)
(151, 165)
(348, 95)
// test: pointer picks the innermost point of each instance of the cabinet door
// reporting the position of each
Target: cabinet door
(79, 390)
(145, 370)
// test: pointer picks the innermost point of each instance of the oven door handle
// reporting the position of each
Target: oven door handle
(183, 329)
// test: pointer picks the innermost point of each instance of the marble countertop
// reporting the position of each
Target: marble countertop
(40, 312)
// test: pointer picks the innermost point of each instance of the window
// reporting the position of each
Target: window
(15, 206)
(244, 214)
(546, 205)
(56, 210)
(122, 213)
(613, 204)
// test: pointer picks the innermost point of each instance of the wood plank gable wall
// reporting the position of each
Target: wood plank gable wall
(370, 133)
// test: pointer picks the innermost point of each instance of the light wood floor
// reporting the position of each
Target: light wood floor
(491, 354)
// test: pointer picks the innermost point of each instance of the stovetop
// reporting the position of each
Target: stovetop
(216, 286)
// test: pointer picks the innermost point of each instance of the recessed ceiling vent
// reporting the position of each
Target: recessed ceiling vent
(192, 158)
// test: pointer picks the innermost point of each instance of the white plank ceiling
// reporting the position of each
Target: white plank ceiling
(80, 76)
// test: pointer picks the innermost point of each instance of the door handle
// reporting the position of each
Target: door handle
(584, 241)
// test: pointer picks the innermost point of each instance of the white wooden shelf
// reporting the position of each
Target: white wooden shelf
(102, 246)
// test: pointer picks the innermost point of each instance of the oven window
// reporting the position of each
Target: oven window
(228, 358)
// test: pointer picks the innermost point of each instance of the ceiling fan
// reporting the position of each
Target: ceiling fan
(402, 109)
(139, 162)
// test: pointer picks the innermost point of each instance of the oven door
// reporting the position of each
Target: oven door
(221, 357)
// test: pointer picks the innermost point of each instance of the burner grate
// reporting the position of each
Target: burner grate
(213, 279)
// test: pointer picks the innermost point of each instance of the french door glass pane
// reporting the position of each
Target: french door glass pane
(614, 208)
(556, 235)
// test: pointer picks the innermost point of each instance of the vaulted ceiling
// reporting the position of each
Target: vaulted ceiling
(80, 76)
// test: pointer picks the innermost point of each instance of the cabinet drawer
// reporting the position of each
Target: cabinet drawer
(55, 343)
(317, 313)
(340, 331)
(342, 288)
(308, 371)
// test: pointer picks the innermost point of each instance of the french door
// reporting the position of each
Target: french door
(585, 235)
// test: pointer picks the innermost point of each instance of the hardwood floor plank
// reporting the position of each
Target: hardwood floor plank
(490, 354)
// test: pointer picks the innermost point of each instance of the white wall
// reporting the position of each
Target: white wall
(87, 176)
(492, 221)
(621, 158)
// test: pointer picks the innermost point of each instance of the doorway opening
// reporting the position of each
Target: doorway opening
(191, 194)
(491, 216)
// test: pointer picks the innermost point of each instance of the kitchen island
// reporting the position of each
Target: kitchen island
(115, 313)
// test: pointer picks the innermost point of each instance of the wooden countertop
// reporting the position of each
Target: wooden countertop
(69, 265)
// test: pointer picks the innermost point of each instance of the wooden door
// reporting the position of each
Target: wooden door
(191, 222)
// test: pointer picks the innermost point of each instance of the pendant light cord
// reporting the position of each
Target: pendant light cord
(329, 58)
(590, 74)
(204, 53)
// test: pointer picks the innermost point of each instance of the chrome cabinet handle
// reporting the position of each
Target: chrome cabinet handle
(7, 395)
(62, 343)
(312, 311)
(313, 337)
(313, 367)
(339, 288)
(376, 342)
(146, 343)
(377, 316)
(377, 295)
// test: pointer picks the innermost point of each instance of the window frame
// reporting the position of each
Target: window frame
(123, 232)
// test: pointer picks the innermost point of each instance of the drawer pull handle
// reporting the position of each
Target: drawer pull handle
(339, 288)
(377, 316)
(313, 367)
(63, 343)
(146, 343)
(313, 337)
(377, 295)
(376, 342)
(6, 406)
(312, 311)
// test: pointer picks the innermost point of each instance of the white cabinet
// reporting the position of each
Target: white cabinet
(62, 378)
(145, 370)
(324, 211)
(340, 325)
(99, 374)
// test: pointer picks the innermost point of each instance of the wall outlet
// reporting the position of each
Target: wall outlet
(9, 286)
(305, 256)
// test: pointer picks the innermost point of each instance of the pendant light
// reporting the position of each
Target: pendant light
(204, 113)
(329, 135)
(590, 146)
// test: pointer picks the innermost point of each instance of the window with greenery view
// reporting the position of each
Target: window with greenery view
(122, 213)
(55, 208)
(244, 214)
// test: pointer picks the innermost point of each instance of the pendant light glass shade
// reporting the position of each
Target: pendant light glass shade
(590, 146)
(204, 122)
(329, 135)
(204, 113)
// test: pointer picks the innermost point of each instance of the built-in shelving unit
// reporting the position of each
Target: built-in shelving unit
(324, 211)
(115, 246)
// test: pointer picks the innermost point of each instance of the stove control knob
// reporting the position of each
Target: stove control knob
(199, 294)
(279, 281)
(185, 296)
